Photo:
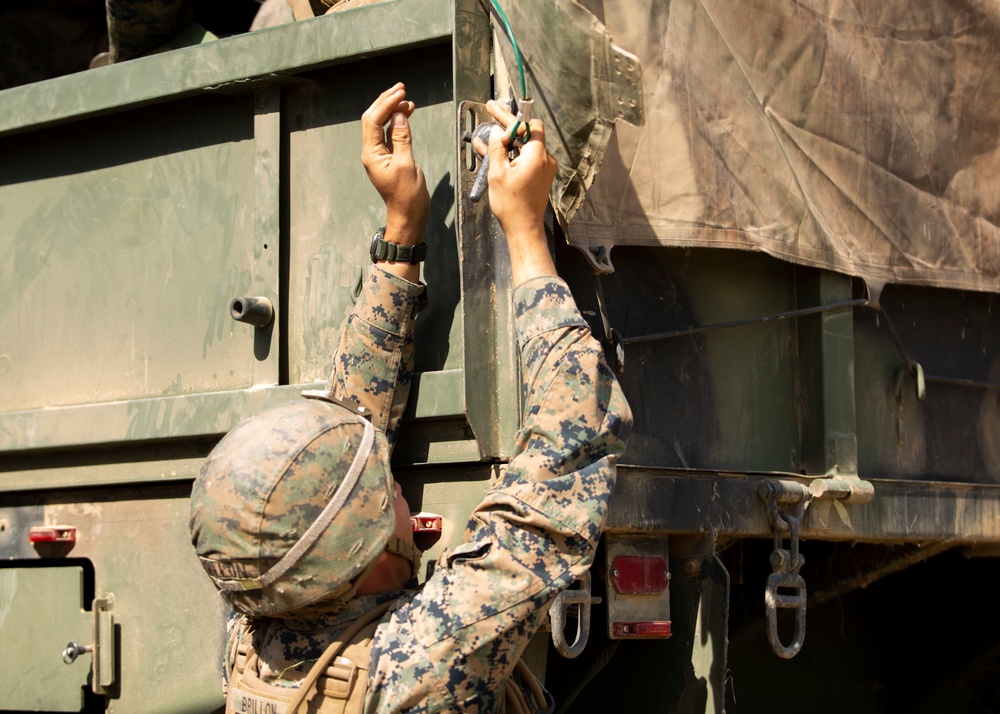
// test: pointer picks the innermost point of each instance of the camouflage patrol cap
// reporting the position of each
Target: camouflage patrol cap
(292, 506)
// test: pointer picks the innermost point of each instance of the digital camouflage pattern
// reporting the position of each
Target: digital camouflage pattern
(137, 27)
(452, 645)
(269, 479)
(373, 364)
(266, 483)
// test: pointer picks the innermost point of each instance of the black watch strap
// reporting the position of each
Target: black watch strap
(383, 250)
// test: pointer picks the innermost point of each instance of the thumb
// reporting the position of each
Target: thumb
(401, 139)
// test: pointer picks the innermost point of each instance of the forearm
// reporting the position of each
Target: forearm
(373, 363)
(529, 253)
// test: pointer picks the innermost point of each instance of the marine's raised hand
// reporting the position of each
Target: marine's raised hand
(387, 155)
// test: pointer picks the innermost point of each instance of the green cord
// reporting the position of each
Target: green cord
(513, 131)
(513, 42)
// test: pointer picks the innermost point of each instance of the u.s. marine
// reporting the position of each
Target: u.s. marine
(302, 499)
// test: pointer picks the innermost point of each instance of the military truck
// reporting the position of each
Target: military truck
(781, 220)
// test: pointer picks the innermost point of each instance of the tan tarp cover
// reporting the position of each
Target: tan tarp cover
(857, 136)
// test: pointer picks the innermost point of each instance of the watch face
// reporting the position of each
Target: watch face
(376, 239)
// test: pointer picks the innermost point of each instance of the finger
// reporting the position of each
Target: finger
(386, 103)
(480, 146)
(497, 148)
(375, 118)
(536, 146)
(537, 130)
(406, 108)
(500, 113)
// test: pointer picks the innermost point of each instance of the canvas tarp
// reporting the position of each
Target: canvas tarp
(859, 137)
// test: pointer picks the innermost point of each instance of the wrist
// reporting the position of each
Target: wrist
(402, 232)
(405, 228)
(529, 253)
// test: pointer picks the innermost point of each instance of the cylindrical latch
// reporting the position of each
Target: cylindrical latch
(256, 311)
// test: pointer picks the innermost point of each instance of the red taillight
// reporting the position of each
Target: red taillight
(642, 629)
(52, 534)
(426, 523)
(639, 575)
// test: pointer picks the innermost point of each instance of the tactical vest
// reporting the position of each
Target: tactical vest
(340, 679)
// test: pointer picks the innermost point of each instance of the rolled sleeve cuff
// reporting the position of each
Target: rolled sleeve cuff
(542, 304)
(388, 302)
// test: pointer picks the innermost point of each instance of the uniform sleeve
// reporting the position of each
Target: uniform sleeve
(456, 642)
(373, 364)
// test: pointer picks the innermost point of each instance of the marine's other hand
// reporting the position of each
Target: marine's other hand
(387, 155)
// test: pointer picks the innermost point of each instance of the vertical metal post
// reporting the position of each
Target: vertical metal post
(492, 395)
(826, 412)
(266, 228)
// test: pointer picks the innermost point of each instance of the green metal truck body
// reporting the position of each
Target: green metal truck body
(138, 200)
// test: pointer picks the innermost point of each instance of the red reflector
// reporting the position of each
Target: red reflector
(642, 629)
(426, 523)
(52, 534)
(639, 575)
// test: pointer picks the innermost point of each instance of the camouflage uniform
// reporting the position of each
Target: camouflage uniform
(451, 645)
(136, 28)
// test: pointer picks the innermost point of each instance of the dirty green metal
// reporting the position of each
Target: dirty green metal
(491, 386)
(490, 365)
(138, 200)
(41, 610)
(266, 231)
(168, 622)
(651, 499)
(202, 189)
(152, 220)
(234, 65)
(825, 361)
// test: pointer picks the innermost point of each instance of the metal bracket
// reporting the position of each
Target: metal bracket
(598, 254)
(622, 95)
(847, 489)
(581, 599)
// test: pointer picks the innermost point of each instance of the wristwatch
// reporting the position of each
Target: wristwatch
(384, 250)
